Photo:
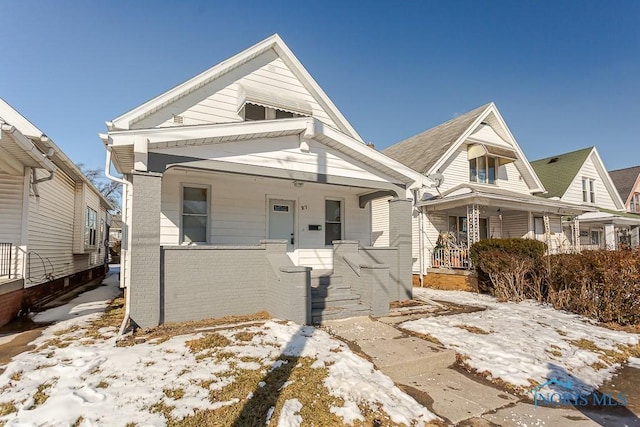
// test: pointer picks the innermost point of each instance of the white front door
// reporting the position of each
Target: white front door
(281, 221)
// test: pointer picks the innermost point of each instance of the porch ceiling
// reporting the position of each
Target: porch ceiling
(162, 162)
(503, 199)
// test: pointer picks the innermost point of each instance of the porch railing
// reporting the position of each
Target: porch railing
(6, 252)
(451, 258)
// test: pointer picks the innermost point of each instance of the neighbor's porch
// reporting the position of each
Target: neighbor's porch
(450, 227)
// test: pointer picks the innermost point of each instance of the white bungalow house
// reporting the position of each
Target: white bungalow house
(580, 177)
(246, 189)
(53, 221)
(482, 186)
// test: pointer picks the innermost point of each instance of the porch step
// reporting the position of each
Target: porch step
(323, 281)
(338, 298)
(318, 315)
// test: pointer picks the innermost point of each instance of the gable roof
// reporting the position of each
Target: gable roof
(625, 180)
(274, 43)
(42, 143)
(430, 150)
(422, 151)
(557, 172)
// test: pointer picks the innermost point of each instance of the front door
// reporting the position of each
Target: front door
(281, 221)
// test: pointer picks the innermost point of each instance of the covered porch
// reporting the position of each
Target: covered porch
(465, 215)
(277, 221)
(606, 229)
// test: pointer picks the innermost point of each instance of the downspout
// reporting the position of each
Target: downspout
(124, 182)
(420, 237)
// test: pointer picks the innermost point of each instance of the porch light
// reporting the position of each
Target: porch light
(298, 184)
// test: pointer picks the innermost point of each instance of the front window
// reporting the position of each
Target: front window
(195, 214)
(254, 112)
(634, 205)
(588, 190)
(90, 232)
(333, 221)
(483, 169)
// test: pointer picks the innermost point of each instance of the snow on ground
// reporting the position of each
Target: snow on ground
(634, 362)
(94, 381)
(516, 342)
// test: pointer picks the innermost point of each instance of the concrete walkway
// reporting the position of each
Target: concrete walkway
(425, 371)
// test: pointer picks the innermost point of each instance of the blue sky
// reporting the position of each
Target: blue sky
(564, 74)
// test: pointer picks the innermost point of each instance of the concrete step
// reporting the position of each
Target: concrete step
(337, 299)
(319, 315)
(335, 281)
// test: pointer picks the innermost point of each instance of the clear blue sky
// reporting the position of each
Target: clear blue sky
(564, 74)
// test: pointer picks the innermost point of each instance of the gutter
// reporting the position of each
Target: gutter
(125, 208)
(29, 147)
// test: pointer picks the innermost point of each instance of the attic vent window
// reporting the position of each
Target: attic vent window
(179, 120)
(555, 159)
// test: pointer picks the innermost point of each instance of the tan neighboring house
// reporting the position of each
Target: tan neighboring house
(581, 177)
(53, 221)
(481, 186)
(246, 189)
(627, 181)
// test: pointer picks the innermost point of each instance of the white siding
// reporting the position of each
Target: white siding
(574, 192)
(380, 222)
(217, 102)
(457, 172)
(11, 202)
(280, 153)
(51, 222)
(238, 211)
(435, 223)
(495, 227)
(515, 225)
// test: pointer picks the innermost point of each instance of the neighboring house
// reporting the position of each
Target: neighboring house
(482, 186)
(627, 182)
(52, 219)
(580, 177)
(243, 186)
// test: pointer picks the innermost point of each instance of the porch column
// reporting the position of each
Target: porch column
(610, 237)
(576, 234)
(473, 224)
(400, 237)
(144, 293)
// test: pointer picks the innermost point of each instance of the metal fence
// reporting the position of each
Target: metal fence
(6, 252)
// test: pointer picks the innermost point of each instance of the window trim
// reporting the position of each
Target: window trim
(588, 190)
(90, 234)
(342, 211)
(184, 185)
(496, 167)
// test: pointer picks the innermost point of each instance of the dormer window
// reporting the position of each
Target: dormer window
(482, 169)
(258, 112)
(588, 190)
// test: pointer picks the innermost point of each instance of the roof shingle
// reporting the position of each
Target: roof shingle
(557, 172)
(422, 151)
(624, 180)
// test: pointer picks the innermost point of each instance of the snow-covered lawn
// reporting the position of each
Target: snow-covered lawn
(278, 372)
(526, 344)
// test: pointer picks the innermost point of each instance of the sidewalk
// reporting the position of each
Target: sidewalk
(426, 372)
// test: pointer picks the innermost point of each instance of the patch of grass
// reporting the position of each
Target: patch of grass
(619, 355)
(561, 332)
(111, 318)
(40, 396)
(598, 366)
(473, 329)
(54, 342)
(16, 376)
(78, 422)
(244, 336)
(169, 330)
(209, 341)
(163, 408)
(174, 393)
(102, 384)
(555, 350)
(7, 408)
(66, 331)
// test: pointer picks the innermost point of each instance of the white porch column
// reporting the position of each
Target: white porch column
(576, 234)
(473, 224)
(610, 237)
